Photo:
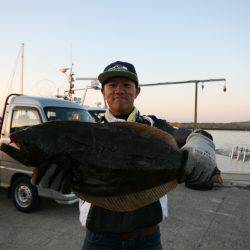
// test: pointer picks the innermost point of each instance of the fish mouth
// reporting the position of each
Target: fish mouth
(15, 153)
(15, 144)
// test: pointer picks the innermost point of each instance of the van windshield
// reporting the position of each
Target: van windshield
(67, 114)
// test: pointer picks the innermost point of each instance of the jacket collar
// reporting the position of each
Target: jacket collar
(132, 117)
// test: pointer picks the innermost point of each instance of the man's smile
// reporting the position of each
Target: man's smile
(120, 98)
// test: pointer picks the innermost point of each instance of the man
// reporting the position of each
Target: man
(137, 229)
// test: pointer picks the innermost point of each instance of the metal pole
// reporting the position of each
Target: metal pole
(85, 78)
(182, 82)
(196, 90)
(22, 66)
(105, 103)
(84, 94)
(195, 105)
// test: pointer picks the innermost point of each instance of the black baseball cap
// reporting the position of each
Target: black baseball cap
(119, 69)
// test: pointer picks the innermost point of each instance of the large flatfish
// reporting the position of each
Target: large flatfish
(119, 166)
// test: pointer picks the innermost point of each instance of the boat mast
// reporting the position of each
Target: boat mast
(22, 66)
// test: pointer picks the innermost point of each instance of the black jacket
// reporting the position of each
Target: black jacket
(103, 220)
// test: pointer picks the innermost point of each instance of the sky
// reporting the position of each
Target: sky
(165, 40)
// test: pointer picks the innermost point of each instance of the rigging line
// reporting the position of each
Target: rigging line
(38, 83)
(12, 75)
(71, 55)
(46, 63)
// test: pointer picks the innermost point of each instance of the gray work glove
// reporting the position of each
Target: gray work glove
(201, 163)
(55, 174)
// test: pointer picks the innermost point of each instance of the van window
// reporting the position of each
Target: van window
(24, 117)
(67, 114)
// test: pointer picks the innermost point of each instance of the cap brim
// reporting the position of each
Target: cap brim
(103, 77)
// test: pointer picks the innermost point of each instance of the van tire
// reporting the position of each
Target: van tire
(24, 195)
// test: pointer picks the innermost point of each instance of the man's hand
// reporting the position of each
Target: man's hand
(54, 174)
(201, 165)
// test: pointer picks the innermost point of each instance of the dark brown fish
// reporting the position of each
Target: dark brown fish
(102, 160)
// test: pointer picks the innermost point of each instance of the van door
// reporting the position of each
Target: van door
(22, 117)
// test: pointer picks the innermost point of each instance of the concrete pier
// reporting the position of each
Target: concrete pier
(215, 219)
(233, 170)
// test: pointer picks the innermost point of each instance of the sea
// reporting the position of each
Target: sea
(225, 140)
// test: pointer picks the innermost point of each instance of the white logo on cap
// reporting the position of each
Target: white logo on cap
(118, 67)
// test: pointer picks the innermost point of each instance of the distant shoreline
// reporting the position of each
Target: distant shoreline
(217, 126)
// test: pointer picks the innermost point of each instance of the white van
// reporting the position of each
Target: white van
(22, 111)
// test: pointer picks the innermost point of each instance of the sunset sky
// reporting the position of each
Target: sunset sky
(165, 40)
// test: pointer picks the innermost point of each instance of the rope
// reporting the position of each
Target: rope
(11, 78)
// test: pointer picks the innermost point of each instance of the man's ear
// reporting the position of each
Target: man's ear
(138, 90)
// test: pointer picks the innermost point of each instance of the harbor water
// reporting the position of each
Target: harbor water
(236, 170)
(225, 140)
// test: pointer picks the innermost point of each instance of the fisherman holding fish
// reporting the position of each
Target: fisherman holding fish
(137, 229)
(121, 169)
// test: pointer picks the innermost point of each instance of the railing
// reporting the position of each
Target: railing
(241, 153)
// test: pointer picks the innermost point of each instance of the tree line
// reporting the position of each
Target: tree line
(216, 126)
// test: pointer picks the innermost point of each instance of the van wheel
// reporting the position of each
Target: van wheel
(24, 195)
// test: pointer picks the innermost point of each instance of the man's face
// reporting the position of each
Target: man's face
(120, 93)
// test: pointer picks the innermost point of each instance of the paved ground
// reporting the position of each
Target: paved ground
(217, 219)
